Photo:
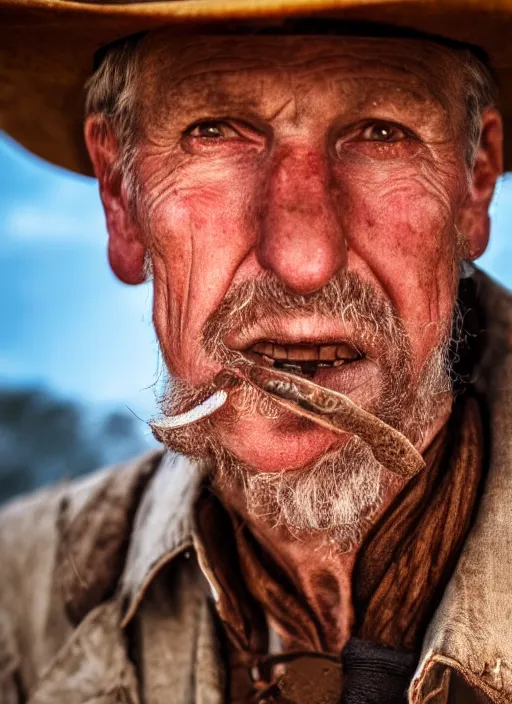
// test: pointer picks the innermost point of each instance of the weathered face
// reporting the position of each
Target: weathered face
(304, 160)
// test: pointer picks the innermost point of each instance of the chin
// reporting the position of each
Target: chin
(282, 441)
(276, 445)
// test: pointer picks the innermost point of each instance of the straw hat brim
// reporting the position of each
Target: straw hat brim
(47, 49)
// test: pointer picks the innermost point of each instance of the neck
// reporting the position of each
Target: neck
(321, 574)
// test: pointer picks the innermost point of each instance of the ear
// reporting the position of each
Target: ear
(126, 249)
(475, 223)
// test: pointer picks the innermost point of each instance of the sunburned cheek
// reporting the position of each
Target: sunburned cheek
(406, 238)
(201, 238)
(204, 205)
(399, 227)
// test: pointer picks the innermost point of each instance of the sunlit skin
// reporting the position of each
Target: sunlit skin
(298, 156)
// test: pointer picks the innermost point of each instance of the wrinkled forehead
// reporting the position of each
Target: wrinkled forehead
(233, 61)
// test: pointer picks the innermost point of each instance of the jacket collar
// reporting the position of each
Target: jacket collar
(94, 665)
(163, 526)
(94, 526)
(472, 629)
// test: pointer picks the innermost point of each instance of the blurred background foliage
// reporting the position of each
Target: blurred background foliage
(45, 439)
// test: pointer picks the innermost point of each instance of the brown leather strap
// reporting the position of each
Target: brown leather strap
(288, 678)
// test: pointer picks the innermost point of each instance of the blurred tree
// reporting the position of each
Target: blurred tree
(44, 439)
(119, 436)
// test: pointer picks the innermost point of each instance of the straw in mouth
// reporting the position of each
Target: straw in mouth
(325, 407)
(195, 414)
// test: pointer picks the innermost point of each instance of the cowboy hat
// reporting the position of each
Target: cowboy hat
(47, 50)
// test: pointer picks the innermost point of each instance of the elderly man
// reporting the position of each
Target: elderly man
(331, 519)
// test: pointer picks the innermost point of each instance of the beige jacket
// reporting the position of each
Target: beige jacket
(87, 564)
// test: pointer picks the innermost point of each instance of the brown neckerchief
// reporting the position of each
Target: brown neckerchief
(400, 574)
(407, 559)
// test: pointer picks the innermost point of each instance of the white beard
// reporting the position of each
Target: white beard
(335, 499)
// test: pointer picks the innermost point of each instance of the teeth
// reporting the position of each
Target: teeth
(264, 348)
(306, 353)
(346, 352)
(280, 352)
(302, 354)
(328, 353)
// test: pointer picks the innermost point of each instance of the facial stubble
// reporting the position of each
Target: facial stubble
(336, 497)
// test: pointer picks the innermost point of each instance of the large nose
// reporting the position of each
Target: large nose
(301, 238)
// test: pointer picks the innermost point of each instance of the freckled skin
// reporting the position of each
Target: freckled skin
(294, 183)
(293, 188)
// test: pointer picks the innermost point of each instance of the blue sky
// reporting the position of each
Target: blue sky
(65, 321)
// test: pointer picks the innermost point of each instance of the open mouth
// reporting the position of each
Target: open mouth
(303, 359)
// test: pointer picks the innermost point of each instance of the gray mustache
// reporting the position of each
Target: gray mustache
(346, 297)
